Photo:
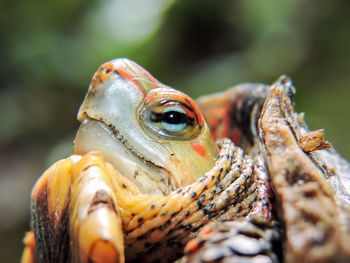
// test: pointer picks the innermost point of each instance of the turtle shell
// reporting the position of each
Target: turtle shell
(307, 182)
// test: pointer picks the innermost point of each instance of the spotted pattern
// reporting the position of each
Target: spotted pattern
(162, 225)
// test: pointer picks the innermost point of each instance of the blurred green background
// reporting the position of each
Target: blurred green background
(50, 49)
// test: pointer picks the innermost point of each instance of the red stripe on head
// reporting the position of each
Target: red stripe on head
(126, 75)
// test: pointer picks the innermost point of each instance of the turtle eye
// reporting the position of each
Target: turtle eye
(171, 118)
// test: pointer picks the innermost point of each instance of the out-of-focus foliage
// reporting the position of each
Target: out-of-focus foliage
(50, 49)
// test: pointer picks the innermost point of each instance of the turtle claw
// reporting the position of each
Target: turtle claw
(73, 214)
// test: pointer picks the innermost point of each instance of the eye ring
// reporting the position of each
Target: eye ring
(170, 115)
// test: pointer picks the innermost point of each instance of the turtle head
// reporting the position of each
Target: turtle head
(152, 134)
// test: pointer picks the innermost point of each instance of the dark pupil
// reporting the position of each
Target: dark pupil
(171, 117)
(174, 117)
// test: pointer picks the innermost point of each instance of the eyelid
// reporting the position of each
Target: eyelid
(166, 94)
(181, 131)
(175, 108)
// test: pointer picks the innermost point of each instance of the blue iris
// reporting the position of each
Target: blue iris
(174, 119)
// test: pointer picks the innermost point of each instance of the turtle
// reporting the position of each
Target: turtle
(158, 177)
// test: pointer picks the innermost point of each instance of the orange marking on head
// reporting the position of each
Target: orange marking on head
(198, 148)
(103, 73)
(126, 75)
(108, 67)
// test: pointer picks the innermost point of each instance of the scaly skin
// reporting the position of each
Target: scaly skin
(146, 178)
(153, 226)
(93, 207)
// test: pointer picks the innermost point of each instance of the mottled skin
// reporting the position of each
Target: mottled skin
(91, 206)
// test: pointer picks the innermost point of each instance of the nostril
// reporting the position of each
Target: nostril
(107, 68)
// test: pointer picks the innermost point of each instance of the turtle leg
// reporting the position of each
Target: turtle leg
(49, 217)
(74, 217)
(95, 224)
